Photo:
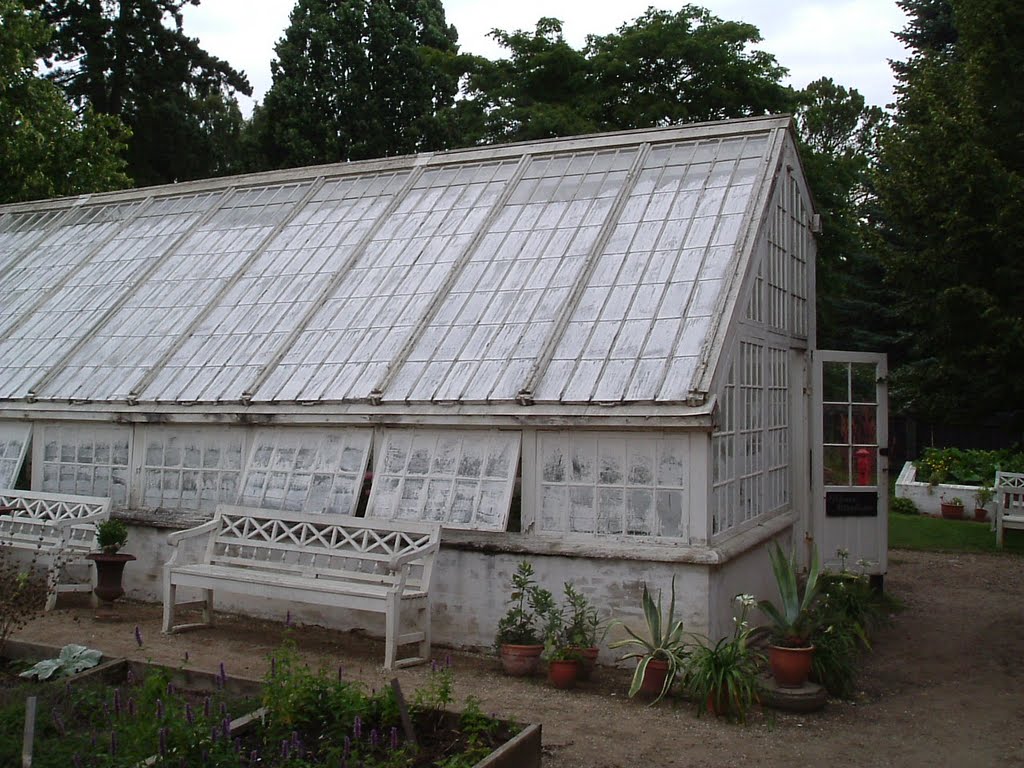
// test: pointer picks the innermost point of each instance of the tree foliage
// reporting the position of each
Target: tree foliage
(132, 59)
(662, 69)
(46, 150)
(356, 79)
(951, 185)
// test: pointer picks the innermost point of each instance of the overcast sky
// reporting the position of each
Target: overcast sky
(850, 41)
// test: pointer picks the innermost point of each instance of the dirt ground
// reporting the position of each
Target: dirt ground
(943, 686)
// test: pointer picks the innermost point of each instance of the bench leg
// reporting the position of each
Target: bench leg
(425, 624)
(170, 591)
(999, 534)
(392, 628)
(208, 607)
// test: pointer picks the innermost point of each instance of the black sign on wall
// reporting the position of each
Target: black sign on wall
(851, 504)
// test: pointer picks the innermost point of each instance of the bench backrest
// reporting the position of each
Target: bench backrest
(323, 545)
(1010, 492)
(35, 516)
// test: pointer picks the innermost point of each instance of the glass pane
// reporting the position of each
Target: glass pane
(865, 386)
(835, 382)
(864, 424)
(836, 424)
(864, 466)
(837, 465)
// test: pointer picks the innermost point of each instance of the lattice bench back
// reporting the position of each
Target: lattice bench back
(34, 521)
(323, 546)
(1010, 492)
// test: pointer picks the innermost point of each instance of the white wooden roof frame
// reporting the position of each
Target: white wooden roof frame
(130, 401)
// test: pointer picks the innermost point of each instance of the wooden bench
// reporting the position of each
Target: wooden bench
(1009, 490)
(59, 528)
(328, 560)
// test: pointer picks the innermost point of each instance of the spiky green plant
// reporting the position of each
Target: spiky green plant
(793, 618)
(664, 641)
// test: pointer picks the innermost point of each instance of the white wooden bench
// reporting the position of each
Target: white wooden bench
(1009, 490)
(328, 560)
(59, 528)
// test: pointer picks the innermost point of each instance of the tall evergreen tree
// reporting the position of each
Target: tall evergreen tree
(132, 59)
(951, 185)
(356, 79)
(46, 150)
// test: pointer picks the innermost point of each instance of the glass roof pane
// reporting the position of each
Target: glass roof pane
(405, 262)
(672, 230)
(148, 323)
(503, 273)
(138, 237)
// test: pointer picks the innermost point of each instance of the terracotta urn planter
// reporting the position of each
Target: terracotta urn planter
(109, 572)
(952, 511)
(562, 673)
(790, 666)
(980, 515)
(654, 677)
(520, 660)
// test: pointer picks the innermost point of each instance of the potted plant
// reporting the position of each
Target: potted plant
(952, 509)
(582, 628)
(111, 535)
(519, 636)
(722, 678)
(982, 497)
(564, 659)
(792, 619)
(661, 654)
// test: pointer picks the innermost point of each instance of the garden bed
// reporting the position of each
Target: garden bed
(127, 713)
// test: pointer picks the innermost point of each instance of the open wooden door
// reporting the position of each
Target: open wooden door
(849, 460)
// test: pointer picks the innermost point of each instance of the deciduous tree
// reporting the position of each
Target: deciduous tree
(46, 150)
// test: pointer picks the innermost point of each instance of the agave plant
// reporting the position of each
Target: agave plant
(664, 641)
(793, 618)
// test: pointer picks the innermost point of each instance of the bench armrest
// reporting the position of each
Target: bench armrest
(188, 533)
(400, 561)
(74, 522)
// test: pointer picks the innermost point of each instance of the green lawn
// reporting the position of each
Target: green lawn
(938, 535)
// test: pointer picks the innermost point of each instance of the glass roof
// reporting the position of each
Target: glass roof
(586, 270)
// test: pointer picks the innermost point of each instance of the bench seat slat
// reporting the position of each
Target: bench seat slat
(288, 583)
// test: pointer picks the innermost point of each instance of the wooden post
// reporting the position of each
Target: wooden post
(403, 712)
(30, 732)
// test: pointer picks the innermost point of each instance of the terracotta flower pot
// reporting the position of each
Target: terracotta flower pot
(980, 515)
(520, 660)
(952, 511)
(654, 678)
(588, 660)
(563, 672)
(790, 666)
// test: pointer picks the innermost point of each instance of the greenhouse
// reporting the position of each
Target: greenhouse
(593, 353)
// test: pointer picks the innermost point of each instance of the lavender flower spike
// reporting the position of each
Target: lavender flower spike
(394, 738)
(163, 741)
(138, 635)
(357, 727)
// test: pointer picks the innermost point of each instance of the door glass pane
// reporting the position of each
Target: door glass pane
(836, 424)
(835, 382)
(864, 429)
(864, 382)
(836, 465)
